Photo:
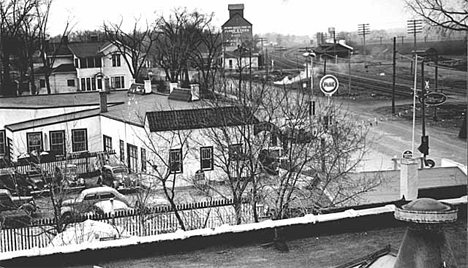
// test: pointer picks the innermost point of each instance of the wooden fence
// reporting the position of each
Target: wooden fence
(160, 220)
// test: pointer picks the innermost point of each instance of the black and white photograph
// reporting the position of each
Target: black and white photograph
(282, 133)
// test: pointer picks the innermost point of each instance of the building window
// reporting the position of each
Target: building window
(77, 65)
(93, 83)
(79, 140)
(88, 84)
(34, 140)
(83, 63)
(175, 160)
(57, 142)
(83, 84)
(71, 82)
(97, 62)
(99, 83)
(42, 83)
(206, 158)
(107, 141)
(2, 142)
(235, 152)
(122, 151)
(143, 159)
(132, 151)
(116, 60)
(117, 82)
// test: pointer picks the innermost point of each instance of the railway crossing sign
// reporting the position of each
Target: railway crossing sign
(329, 84)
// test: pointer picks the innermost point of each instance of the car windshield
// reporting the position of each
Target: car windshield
(120, 170)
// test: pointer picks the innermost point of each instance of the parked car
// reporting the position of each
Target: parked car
(71, 177)
(15, 211)
(71, 208)
(16, 182)
(118, 177)
(108, 206)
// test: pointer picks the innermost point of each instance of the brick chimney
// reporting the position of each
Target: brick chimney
(103, 101)
(409, 178)
(425, 244)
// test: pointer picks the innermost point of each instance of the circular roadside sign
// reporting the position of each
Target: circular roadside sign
(407, 154)
(329, 84)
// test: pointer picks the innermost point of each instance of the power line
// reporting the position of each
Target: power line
(364, 29)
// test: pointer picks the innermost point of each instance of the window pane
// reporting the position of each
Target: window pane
(143, 159)
(175, 160)
(2, 142)
(88, 83)
(79, 140)
(34, 142)
(57, 142)
(83, 84)
(206, 158)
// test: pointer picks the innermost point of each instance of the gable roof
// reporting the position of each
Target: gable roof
(236, 20)
(86, 49)
(200, 118)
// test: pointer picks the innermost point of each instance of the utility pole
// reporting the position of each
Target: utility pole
(414, 27)
(364, 29)
(331, 31)
(394, 75)
(402, 39)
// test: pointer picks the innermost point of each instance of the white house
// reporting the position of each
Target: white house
(84, 66)
(142, 129)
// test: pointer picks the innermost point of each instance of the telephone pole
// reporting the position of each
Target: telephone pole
(364, 29)
(414, 27)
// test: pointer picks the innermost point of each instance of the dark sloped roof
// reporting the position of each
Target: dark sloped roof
(180, 94)
(60, 50)
(65, 68)
(200, 118)
(237, 20)
(86, 49)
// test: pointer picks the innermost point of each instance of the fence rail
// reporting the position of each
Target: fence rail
(162, 220)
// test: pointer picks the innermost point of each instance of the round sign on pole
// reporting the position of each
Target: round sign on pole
(329, 84)
(407, 154)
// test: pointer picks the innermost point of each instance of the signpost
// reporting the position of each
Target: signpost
(433, 98)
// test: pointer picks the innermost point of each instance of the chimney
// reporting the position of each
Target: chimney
(236, 9)
(424, 244)
(409, 178)
(103, 101)
(195, 91)
(172, 86)
(148, 86)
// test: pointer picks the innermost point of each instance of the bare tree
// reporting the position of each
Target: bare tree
(134, 45)
(13, 14)
(448, 14)
(179, 36)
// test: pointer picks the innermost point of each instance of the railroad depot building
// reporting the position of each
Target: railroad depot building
(135, 126)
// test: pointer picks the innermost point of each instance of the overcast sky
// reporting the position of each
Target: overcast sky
(299, 17)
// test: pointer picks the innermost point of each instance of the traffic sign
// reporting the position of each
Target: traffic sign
(434, 99)
(329, 84)
(407, 154)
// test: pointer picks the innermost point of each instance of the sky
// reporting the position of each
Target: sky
(295, 17)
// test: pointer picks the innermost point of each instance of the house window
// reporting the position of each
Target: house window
(88, 84)
(116, 60)
(57, 142)
(83, 84)
(93, 83)
(34, 140)
(42, 83)
(143, 159)
(90, 62)
(107, 143)
(99, 83)
(97, 62)
(71, 82)
(79, 140)
(122, 151)
(2, 142)
(83, 63)
(235, 152)
(132, 151)
(77, 63)
(230, 64)
(117, 82)
(175, 160)
(206, 158)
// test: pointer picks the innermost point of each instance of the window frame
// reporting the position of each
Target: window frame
(116, 60)
(122, 150)
(235, 152)
(75, 143)
(132, 158)
(3, 143)
(143, 159)
(63, 144)
(107, 143)
(204, 158)
(41, 145)
(178, 154)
